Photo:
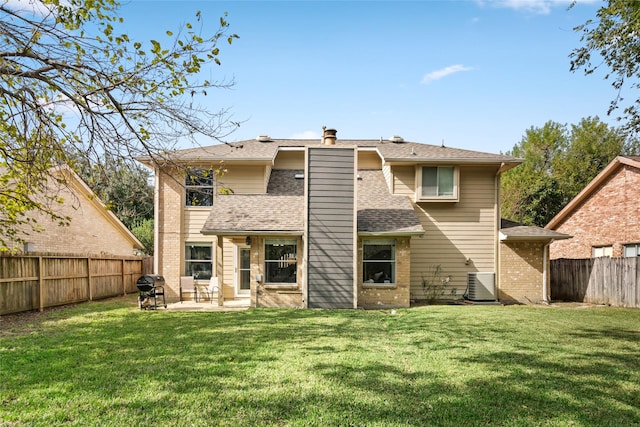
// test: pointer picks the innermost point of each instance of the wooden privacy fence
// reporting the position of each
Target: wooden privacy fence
(30, 282)
(613, 281)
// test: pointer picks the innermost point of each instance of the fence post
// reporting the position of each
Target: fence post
(124, 285)
(89, 281)
(40, 284)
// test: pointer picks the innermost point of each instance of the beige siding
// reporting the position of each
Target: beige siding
(404, 180)
(386, 171)
(457, 231)
(289, 160)
(369, 160)
(194, 219)
(245, 179)
(228, 254)
(267, 176)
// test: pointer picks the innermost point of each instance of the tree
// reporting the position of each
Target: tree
(539, 148)
(612, 41)
(123, 188)
(73, 87)
(592, 145)
(558, 163)
(143, 230)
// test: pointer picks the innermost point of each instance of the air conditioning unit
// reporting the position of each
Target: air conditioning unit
(482, 286)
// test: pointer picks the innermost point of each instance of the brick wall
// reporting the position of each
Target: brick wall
(91, 230)
(521, 267)
(397, 295)
(609, 216)
(169, 224)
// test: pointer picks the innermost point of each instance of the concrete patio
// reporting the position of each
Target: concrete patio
(232, 305)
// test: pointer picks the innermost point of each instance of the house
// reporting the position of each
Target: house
(330, 223)
(93, 229)
(604, 218)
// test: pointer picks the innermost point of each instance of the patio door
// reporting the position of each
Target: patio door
(243, 271)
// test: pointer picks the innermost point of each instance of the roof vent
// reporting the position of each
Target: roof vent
(263, 138)
(396, 139)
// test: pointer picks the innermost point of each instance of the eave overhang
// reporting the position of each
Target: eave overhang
(390, 233)
(252, 232)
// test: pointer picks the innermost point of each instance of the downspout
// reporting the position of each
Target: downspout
(496, 237)
(156, 219)
(545, 271)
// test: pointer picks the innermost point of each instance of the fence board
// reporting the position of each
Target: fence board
(612, 281)
(36, 281)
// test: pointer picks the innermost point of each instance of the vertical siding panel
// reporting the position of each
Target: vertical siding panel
(330, 235)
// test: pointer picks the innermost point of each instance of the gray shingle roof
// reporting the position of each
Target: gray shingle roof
(514, 231)
(246, 213)
(282, 208)
(400, 152)
(379, 211)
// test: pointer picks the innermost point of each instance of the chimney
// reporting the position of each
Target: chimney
(329, 136)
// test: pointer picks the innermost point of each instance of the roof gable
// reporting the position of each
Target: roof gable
(83, 190)
(606, 173)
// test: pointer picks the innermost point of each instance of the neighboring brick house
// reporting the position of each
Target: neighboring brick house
(604, 218)
(93, 228)
(329, 223)
(524, 262)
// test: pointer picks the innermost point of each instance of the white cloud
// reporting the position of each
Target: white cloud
(307, 134)
(541, 7)
(444, 72)
(29, 6)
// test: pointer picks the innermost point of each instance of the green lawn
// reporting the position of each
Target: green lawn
(107, 363)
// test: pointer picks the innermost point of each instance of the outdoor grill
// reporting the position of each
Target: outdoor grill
(151, 287)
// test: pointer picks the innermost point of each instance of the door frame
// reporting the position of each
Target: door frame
(236, 271)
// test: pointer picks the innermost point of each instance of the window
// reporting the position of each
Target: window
(199, 187)
(602, 251)
(631, 250)
(197, 260)
(280, 261)
(379, 261)
(437, 183)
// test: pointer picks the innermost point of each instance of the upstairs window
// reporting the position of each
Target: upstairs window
(199, 187)
(631, 250)
(437, 183)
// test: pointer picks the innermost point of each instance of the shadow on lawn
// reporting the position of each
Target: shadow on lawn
(323, 367)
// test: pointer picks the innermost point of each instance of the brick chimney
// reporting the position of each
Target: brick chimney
(329, 136)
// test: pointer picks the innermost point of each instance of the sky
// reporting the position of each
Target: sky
(469, 74)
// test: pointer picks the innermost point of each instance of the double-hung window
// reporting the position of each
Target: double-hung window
(280, 261)
(631, 250)
(600, 251)
(198, 260)
(199, 187)
(437, 183)
(379, 261)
